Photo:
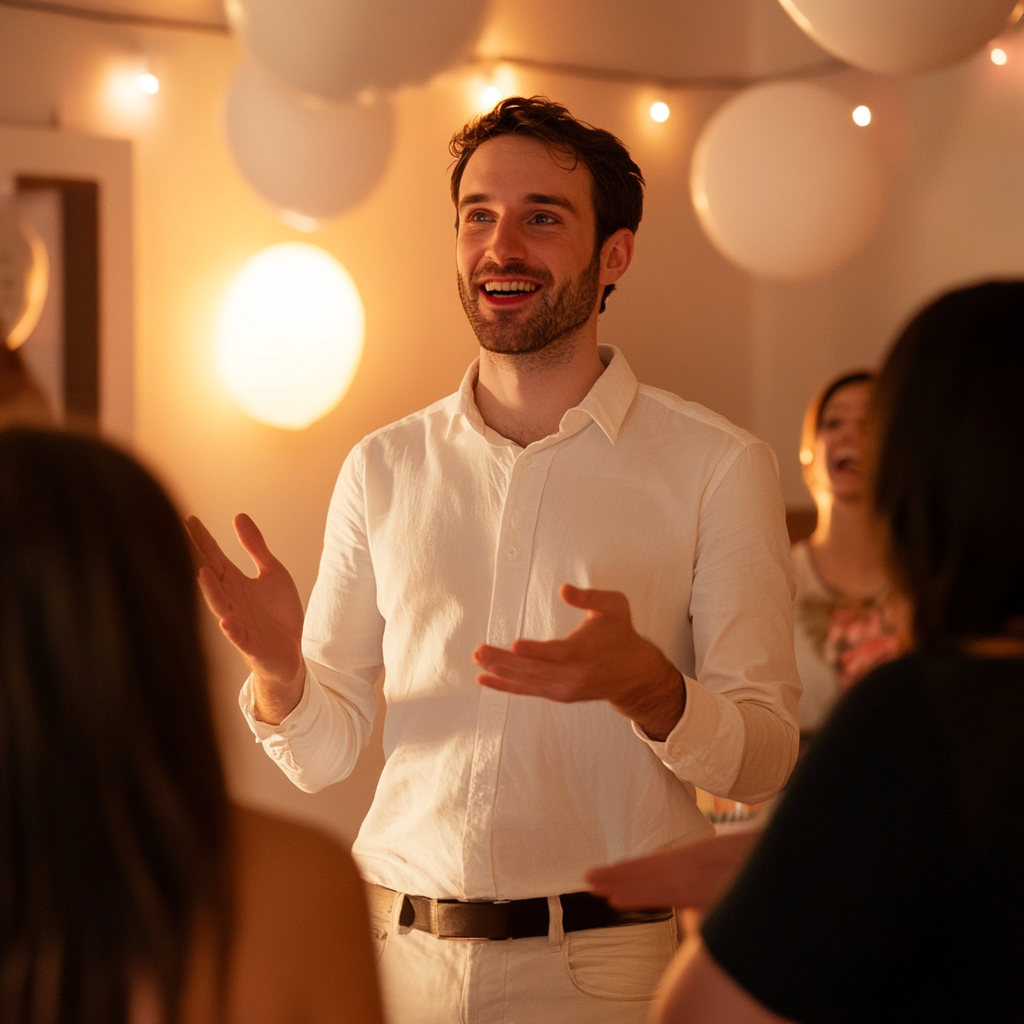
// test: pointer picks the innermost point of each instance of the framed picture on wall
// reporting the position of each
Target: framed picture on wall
(75, 192)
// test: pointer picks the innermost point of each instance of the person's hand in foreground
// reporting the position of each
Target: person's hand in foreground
(261, 615)
(604, 658)
(687, 877)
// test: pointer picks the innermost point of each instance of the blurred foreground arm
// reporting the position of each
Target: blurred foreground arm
(695, 990)
(692, 876)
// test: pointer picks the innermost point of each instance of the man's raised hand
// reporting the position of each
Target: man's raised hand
(604, 658)
(260, 615)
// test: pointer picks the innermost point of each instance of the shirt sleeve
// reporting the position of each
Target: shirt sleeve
(738, 736)
(838, 912)
(319, 742)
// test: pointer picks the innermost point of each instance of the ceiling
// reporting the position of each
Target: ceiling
(666, 40)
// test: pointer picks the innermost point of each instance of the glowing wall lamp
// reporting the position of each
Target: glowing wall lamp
(290, 335)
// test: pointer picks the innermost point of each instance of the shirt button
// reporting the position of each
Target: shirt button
(511, 552)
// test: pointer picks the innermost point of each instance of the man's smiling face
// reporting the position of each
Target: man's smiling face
(526, 250)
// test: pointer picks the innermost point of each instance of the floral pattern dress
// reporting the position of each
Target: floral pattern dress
(839, 639)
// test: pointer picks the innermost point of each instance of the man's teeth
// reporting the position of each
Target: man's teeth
(509, 286)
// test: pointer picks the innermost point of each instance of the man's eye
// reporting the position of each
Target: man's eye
(478, 215)
(543, 218)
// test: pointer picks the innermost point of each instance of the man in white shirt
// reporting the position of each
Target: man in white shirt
(612, 559)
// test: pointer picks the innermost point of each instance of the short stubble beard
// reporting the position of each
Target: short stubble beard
(560, 316)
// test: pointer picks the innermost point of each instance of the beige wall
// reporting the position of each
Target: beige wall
(687, 320)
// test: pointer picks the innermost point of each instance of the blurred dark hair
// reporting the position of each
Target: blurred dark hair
(949, 484)
(618, 185)
(114, 819)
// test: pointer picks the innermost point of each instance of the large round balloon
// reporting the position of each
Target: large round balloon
(785, 183)
(24, 276)
(313, 158)
(894, 37)
(335, 48)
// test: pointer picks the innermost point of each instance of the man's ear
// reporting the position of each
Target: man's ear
(616, 255)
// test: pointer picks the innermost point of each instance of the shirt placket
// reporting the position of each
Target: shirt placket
(512, 561)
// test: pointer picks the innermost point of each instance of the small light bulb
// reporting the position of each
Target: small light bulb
(148, 84)
(490, 97)
(806, 456)
(862, 116)
(998, 56)
(660, 111)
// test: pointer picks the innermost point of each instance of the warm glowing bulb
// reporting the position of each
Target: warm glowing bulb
(806, 456)
(490, 97)
(660, 111)
(149, 84)
(998, 56)
(862, 116)
(290, 335)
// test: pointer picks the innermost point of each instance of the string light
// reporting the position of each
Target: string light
(998, 56)
(862, 116)
(659, 111)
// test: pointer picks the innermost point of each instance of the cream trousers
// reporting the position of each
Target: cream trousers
(597, 976)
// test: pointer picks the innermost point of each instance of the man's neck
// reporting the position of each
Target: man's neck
(524, 397)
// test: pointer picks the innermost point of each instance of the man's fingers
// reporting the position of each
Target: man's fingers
(204, 542)
(511, 686)
(543, 650)
(214, 595)
(605, 602)
(517, 667)
(625, 889)
(252, 540)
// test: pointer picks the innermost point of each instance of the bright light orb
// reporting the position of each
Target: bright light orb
(998, 56)
(290, 335)
(489, 98)
(659, 111)
(862, 116)
(149, 84)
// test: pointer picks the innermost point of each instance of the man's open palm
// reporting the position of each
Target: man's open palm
(261, 615)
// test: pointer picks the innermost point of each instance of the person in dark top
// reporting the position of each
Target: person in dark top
(889, 885)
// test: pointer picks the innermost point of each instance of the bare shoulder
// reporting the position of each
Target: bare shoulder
(302, 947)
(294, 856)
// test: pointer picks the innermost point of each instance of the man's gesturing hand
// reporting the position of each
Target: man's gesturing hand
(604, 658)
(261, 615)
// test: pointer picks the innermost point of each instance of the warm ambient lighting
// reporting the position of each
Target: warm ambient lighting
(998, 56)
(148, 83)
(290, 335)
(806, 456)
(862, 116)
(660, 111)
(489, 98)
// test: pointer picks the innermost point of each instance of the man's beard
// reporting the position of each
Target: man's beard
(559, 316)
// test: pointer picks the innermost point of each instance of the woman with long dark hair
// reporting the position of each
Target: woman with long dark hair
(130, 889)
(890, 883)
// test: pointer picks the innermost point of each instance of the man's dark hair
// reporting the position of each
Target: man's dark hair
(948, 481)
(618, 190)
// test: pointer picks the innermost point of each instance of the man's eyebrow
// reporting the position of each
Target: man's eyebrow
(532, 197)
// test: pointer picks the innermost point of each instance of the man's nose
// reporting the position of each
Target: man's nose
(507, 241)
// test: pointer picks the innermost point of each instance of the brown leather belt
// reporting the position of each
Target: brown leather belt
(510, 919)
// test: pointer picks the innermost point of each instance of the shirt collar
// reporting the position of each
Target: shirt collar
(606, 403)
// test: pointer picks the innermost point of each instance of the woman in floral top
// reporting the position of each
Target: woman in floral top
(844, 623)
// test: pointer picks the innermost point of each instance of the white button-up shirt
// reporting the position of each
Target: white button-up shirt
(442, 535)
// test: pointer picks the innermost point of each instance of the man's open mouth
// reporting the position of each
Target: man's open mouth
(507, 293)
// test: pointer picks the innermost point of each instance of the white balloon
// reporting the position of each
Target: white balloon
(784, 183)
(314, 158)
(335, 48)
(894, 37)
